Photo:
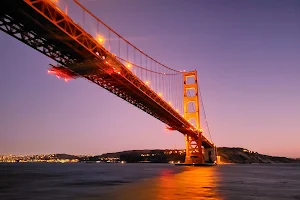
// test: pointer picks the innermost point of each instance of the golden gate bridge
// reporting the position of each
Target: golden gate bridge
(85, 47)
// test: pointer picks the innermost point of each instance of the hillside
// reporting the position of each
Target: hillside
(227, 155)
(240, 155)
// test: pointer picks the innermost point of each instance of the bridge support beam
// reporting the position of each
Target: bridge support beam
(194, 150)
(210, 155)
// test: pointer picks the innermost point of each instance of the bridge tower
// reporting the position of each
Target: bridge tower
(194, 152)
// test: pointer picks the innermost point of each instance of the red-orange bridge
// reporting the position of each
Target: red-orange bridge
(107, 59)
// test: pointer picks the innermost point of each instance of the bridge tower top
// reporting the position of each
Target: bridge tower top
(190, 96)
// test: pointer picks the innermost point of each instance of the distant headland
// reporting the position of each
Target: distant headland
(227, 155)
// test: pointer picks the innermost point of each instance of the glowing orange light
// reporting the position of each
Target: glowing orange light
(147, 82)
(169, 103)
(66, 80)
(119, 72)
(106, 62)
(160, 94)
(177, 110)
(128, 65)
(100, 39)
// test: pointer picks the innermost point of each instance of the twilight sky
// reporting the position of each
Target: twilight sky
(247, 54)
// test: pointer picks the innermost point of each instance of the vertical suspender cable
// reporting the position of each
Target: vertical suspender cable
(204, 114)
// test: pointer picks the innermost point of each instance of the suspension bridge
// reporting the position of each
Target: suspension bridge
(85, 47)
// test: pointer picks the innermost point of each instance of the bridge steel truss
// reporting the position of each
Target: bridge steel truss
(44, 27)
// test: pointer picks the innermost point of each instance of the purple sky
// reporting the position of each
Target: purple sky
(247, 54)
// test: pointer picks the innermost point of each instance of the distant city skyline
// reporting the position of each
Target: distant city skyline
(246, 54)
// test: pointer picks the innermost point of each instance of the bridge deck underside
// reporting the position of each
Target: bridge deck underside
(21, 21)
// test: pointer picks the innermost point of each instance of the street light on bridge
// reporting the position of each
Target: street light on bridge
(100, 39)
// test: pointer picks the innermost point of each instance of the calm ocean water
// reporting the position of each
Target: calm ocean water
(98, 181)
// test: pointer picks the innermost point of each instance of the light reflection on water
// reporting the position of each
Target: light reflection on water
(82, 181)
(192, 183)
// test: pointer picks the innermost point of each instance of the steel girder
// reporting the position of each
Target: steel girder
(19, 31)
